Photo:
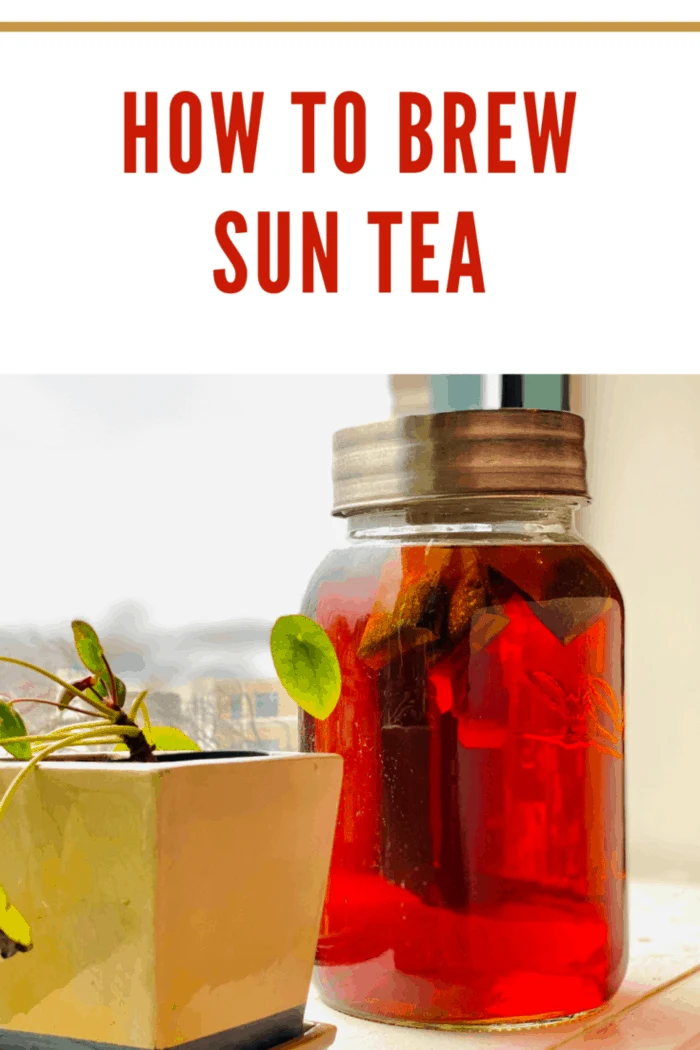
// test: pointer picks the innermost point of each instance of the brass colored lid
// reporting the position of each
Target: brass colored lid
(505, 451)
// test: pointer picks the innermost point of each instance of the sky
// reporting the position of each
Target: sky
(200, 498)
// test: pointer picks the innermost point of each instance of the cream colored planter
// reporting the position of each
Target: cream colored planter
(172, 905)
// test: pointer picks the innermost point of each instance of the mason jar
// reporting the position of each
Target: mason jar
(478, 871)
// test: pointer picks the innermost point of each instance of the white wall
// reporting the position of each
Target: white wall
(643, 442)
(205, 498)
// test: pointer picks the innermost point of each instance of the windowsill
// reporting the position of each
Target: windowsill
(657, 1008)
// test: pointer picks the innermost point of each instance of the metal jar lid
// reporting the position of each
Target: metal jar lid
(495, 452)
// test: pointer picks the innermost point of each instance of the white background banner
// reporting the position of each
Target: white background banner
(591, 269)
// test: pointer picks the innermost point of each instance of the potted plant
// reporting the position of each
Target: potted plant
(156, 895)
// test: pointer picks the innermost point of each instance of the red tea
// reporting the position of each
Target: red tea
(478, 867)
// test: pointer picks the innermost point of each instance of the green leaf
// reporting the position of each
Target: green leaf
(121, 691)
(100, 688)
(306, 664)
(166, 738)
(103, 689)
(11, 724)
(13, 924)
(89, 649)
(65, 698)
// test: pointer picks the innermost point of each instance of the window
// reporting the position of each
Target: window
(266, 705)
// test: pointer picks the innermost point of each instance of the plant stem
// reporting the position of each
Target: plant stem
(138, 703)
(139, 748)
(112, 685)
(108, 711)
(59, 734)
(107, 738)
(68, 741)
(54, 703)
(72, 727)
(34, 738)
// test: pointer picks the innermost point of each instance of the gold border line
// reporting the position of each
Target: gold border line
(349, 27)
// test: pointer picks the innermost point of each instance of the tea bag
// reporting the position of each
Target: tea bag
(472, 610)
(511, 570)
(418, 780)
(486, 625)
(411, 607)
(469, 593)
(405, 739)
(573, 598)
(567, 618)
(565, 593)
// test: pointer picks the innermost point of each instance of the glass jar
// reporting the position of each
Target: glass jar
(478, 872)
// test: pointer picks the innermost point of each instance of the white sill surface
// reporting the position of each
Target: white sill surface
(657, 1007)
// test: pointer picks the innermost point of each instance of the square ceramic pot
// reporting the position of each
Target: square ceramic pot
(172, 904)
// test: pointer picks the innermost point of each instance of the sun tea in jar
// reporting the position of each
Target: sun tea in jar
(478, 871)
